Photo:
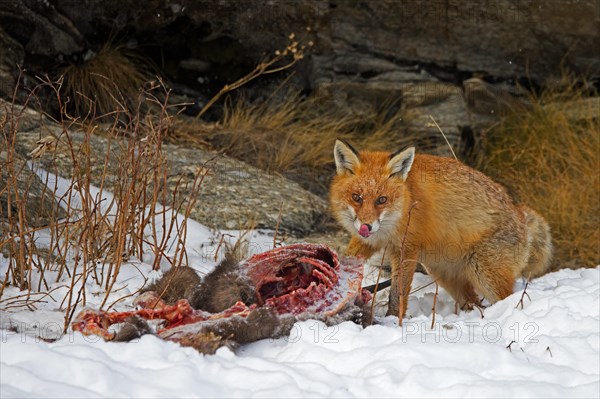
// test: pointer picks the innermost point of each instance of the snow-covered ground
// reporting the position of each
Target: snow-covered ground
(549, 348)
(555, 354)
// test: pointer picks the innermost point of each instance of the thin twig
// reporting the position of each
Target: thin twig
(400, 282)
(445, 138)
(377, 284)
(13, 302)
(520, 303)
(219, 246)
(130, 295)
(509, 346)
(480, 308)
(262, 68)
(435, 296)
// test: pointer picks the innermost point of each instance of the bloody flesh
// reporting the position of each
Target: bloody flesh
(304, 280)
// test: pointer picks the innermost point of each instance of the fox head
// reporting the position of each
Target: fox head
(369, 195)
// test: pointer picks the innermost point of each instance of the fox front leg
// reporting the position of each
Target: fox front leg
(403, 271)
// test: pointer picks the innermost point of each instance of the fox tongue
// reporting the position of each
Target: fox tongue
(364, 231)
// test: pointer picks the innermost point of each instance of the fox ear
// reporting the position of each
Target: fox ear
(346, 157)
(401, 162)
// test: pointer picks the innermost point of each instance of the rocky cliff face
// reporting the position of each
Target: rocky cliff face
(424, 57)
(354, 40)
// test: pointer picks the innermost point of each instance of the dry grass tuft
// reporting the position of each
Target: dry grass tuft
(549, 158)
(108, 80)
(291, 135)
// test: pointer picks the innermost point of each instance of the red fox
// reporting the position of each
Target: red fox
(460, 225)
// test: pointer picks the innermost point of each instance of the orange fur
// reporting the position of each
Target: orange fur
(464, 228)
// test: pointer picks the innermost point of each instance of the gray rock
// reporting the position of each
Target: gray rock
(359, 64)
(428, 104)
(18, 183)
(494, 100)
(19, 118)
(195, 65)
(11, 55)
(503, 38)
(49, 32)
(235, 194)
(421, 103)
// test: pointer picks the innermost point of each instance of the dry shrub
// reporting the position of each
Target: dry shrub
(549, 158)
(105, 81)
(292, 135)
(99, 232)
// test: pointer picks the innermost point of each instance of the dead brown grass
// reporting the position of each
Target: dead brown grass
(549, 158)
(108, 80)
(293, 136)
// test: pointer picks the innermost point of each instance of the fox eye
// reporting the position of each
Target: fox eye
(357, 198)
(381, 200)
